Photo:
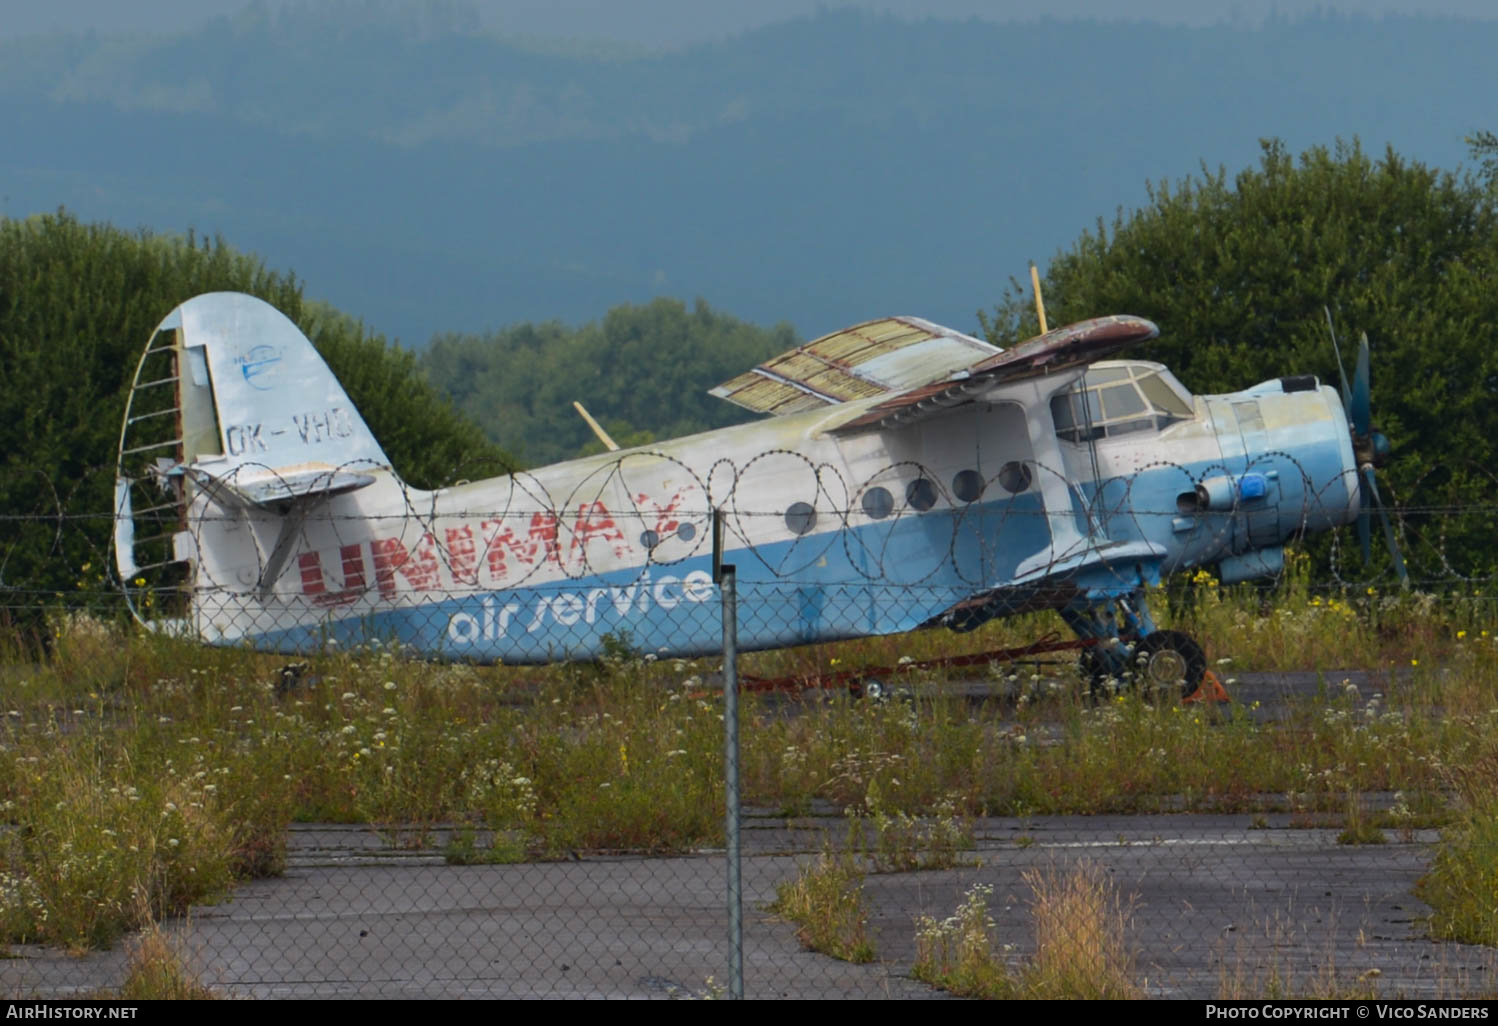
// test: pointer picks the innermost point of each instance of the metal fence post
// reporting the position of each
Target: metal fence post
(724, 574)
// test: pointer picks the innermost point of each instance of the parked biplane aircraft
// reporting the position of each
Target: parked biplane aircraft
(908, 476)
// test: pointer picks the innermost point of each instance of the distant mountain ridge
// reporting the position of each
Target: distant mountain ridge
(821, 171)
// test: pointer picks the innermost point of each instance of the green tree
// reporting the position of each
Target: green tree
(1483, 146)
(77, 304)
(430, 442)
(642, 371)
(1236, 272)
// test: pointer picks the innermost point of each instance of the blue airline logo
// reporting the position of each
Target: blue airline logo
(259, 367)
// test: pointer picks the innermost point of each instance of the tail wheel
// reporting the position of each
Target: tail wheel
(1168, 660)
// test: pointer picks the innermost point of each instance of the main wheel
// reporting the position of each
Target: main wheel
(1167, 660)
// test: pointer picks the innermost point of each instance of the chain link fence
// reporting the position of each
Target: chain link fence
(408, 769)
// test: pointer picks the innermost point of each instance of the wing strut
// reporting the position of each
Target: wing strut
(1039, 302)
(603, 436)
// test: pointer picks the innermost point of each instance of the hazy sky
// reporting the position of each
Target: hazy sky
(670, 22)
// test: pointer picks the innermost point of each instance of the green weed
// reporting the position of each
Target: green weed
(960, 954)
(1359, 829)
(468, 847)
(898, 842)
(826, 903)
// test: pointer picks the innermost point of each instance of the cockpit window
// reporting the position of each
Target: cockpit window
(1162, 396)
(1118, 400)
(1122, 401)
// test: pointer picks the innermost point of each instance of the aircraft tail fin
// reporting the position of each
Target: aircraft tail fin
(274, 402)
(231, 400)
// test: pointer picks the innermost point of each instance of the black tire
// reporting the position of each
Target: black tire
(1169, 660)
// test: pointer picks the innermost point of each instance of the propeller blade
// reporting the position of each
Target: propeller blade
(1365, 529)
(1341, 371)
(1383, 514)
(1359, 410)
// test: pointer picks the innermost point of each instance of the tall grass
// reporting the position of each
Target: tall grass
(146, 774)
(1081, 924)
(1462, 885)
(1082, 946)
(825, 901)
(159, 969)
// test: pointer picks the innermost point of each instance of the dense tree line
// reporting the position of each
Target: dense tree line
(77, 304)
(642, 372)
(1236, 272)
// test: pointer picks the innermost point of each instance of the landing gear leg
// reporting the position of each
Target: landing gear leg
(1128, 647)
(1106, 661)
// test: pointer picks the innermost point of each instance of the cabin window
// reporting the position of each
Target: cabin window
(878, 503)
(800, 518)
(1015, 477)
(1121, 401)
(1118, 400)
(921, 494)
(967, 485)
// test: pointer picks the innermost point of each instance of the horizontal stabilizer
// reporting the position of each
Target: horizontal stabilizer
(861, 362)
(274, 490)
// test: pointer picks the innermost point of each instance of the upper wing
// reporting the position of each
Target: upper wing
(870, 359)
(1080, 343)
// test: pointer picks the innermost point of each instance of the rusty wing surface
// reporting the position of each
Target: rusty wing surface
(875, 358)
(1064, 348)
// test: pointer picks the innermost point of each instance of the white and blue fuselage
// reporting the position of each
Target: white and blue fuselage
(1055, 490)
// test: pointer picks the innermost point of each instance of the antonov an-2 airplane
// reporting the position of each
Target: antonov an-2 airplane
(908, 476)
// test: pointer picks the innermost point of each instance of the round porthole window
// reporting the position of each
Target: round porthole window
(878, 503)
(1015, 476)
(650, 539)
(800, 518)
(686, 532)
(920, 494)
(968, 485)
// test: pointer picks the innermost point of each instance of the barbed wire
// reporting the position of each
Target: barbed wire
(972, 526)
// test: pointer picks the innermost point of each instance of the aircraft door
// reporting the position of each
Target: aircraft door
(983, 459)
